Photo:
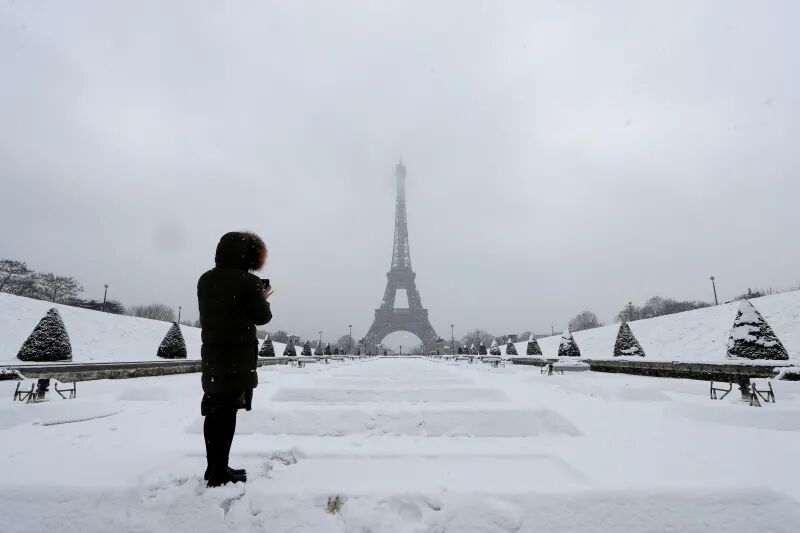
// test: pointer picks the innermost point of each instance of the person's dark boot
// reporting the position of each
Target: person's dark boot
(233, 472)
(220, 476)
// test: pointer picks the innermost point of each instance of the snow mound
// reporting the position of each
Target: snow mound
(335, 395)
(614, 392)
(463, 474)
(54, 412)
(184, 505)
(775, 418)
(428, 423)
(144, 394)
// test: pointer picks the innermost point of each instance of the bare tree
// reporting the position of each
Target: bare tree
(280, 336)
(9, 270)
(25, 285)
(111, 306)
(758, 293)
(154, 312)
(59, 288)
(477, 337)
(658, 306)
(630, 313)
(345, 342)
(585, 320)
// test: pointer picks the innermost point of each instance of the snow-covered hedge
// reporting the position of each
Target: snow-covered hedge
(568, 347)
(627, 344)
(752, 338)
(267, 349)
(511, 349)
(290, 350)
(173, 346)
(533, 347)
(48, 341)
(495, 349)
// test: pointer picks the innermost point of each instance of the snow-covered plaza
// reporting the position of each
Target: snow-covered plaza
(407, 445)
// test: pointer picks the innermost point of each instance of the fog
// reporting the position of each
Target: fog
(561, 156)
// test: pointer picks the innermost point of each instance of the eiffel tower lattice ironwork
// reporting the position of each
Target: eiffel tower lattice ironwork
(388, 318)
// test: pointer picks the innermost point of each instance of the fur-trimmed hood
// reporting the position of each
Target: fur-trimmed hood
(241, 249)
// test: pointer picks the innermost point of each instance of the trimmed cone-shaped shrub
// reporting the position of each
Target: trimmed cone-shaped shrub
(267, 349)
(533, 347)
(482, 349)
(627, 344)
(306, 349)
(290, 350)
(495, 349)
(318, 349)
(511, 349)
(173, 346)
(48, 341)
(568, 346)
(336, 350)
(328, 350)
(752, 338)
(473, 350)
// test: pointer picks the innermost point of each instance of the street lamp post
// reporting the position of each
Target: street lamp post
(714, 285)
(350, 340)
(452, 341)
(320, 340)
(179, 314)
(105, 296)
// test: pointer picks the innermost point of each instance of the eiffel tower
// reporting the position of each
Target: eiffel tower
(388, 318)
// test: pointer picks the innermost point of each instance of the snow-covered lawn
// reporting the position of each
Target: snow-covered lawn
(410, 445)
(96, 337)
(693, 336)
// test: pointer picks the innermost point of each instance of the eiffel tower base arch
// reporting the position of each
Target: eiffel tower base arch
(388, 321)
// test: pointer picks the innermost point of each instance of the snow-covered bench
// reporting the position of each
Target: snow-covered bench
(38, 390)
(494, 360)
(750, 392)
(768, 395)
(558, 366)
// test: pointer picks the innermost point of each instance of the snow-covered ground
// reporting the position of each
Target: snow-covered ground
(410, 445)
(693, 336)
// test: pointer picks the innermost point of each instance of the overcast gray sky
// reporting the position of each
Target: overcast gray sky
(562, 155)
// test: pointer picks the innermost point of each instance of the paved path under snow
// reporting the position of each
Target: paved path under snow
(408, 445)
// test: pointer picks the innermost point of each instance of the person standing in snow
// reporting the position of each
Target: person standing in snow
(232, 302)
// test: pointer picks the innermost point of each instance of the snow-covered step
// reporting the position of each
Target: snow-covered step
(384, 395)
(405, 422)
(466, 474)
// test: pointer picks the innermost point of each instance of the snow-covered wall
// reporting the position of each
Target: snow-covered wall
(700, 335)
(96, 337)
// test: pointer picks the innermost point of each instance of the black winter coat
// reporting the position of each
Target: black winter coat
(232, 303)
